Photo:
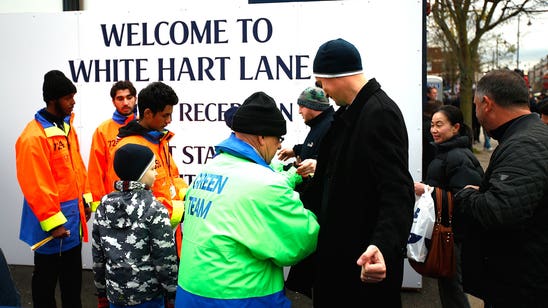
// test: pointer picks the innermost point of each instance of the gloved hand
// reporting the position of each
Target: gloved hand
(102, 302)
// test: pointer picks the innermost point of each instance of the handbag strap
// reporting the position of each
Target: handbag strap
(440, 205)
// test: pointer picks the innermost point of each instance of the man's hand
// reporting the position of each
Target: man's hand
(307, 167)
(285, 154)
(373, 266)
(60, 232)
(87, 211)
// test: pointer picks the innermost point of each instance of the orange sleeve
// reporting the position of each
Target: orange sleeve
(97, 166)
(35, 176)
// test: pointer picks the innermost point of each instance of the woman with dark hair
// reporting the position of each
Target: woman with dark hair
(453, 167)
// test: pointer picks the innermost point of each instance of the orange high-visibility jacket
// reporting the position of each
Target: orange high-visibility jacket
(169, 188)
(103, 141)
(53, 179)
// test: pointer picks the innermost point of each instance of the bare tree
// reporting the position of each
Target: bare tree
(495, 52)
(464, 23)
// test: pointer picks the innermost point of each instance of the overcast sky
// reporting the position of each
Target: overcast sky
(533, 39)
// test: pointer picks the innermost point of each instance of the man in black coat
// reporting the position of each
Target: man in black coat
(362, 191)
(317, 113)
(505, 246)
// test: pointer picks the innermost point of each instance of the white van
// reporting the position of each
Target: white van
(436, 82)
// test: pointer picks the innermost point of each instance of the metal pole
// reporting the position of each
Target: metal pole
(517, 50)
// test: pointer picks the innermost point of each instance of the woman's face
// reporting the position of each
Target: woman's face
(441, 129)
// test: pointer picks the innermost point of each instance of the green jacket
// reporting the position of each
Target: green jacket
(243, 223)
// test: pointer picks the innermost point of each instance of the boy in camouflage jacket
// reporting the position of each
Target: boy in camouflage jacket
(134, 255)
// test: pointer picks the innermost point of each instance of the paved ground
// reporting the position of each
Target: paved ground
(426, 297)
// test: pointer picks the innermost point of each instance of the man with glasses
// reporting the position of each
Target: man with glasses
(243, 220)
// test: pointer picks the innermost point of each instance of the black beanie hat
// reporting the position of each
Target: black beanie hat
(131, 161)
(314, 98)
(258, 115)
(337, 58)
(56, 85)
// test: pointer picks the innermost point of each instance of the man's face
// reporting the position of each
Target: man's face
(478, 102)
(544, 118)
(433, 94)
(124, 102)
(64, 105)
(307, 113)
(159, 120)
(333, 88)
(271, 145)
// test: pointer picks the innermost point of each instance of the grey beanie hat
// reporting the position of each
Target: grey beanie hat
(132, 160)
(337, 58)
(314, 98)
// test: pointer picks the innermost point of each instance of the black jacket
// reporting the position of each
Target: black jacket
(318, 127)
(453, 167)
(362, 193)
(505, 250)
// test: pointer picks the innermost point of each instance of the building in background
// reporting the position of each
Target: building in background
(538, 76)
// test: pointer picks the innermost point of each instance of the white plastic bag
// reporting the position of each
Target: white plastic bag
(424, 217)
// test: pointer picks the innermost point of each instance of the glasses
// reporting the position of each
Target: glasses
(280, 138)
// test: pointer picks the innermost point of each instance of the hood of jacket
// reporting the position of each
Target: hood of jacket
(134, 128)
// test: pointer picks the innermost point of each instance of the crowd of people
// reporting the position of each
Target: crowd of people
(338, 214)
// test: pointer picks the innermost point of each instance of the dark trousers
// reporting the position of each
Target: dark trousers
(65, 267)
(450, 289)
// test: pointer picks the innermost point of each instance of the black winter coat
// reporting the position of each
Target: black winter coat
(505, 250)
(362, 193)
(318, 127)
(453, 167)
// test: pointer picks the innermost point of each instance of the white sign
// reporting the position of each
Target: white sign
(214, 56)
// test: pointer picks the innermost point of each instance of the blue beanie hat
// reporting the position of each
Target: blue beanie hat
(337, 58)
(229, 115)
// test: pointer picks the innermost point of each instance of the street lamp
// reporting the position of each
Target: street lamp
(517, 49)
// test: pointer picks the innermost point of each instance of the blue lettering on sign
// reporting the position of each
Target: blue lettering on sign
(198, 207)
(210, 182)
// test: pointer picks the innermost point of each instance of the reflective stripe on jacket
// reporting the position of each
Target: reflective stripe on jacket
(169, 188)
(52, 177)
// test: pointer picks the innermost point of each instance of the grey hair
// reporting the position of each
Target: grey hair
(505, 87)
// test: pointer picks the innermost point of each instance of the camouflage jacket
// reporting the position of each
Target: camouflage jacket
(134, 255)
